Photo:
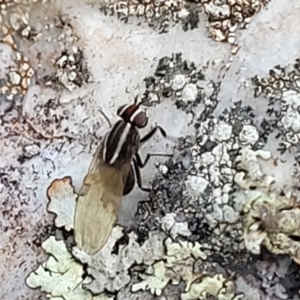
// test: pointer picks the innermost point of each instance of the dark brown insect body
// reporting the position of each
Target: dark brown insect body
(111, 175)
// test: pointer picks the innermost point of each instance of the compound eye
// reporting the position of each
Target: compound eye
(139, 119)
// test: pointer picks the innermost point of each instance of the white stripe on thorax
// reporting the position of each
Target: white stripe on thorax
(137, 111)
(105, 146)
(124, 109)
(120, 143)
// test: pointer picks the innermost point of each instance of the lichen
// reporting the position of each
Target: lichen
(217, 286)
(156, 278)
(281, 88)
(250, 173)
(184, 83)
(62, 201)
(158, 15)
(110, 270)
(71, 71)
(224, 17)
(197, 188)
(273, 221)
(190, 232)
(228, 16)
(61, 277)
(178, 264)
(174, 228)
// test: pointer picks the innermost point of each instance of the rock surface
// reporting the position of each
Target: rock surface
(222, 78)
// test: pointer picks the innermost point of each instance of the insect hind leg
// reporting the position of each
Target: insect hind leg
(139, 177)
(137, 163)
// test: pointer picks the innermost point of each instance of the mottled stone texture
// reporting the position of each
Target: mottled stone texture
(222, 78)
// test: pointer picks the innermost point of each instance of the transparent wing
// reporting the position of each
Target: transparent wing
(98, 204)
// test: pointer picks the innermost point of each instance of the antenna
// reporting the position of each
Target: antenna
(136, 97)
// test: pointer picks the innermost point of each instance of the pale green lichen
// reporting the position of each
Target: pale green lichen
(178, 264)
(273, 221)
(156, 278)
(61, 277)
(110, 270)
(249, 170)
(218, 286)
(62, 201)
(173, 228)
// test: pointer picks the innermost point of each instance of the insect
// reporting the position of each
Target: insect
(111, 175)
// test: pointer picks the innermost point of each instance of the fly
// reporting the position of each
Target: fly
(111, 175)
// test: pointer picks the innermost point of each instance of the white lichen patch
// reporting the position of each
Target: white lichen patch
(228, 16)
(196, 184)
(291, 120)
(61, 277)
(224, 17)
(249, 135)
(178, 264)
(173, 228)
(250, 173)
(30, 150)
(273, 221)
(71, 72)
(156, 278)
(217, 286)
(202, 194)
(222, 132)
(181, 257)
(181, 81)
(281, 88)
(111, 271)
(178, 82)
(62, 202)
(156, 14)
(189, 93)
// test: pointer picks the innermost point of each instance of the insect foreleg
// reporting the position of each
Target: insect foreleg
(142, 164)
(152, 132)
(163, 133)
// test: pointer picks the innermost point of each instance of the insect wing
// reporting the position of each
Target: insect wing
(98, 204)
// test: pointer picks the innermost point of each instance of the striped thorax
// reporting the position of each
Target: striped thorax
(122, 141)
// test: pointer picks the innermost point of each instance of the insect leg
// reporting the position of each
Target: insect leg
(142, 164)
(137, 163)
(163, 133)
(139, 177)
(152, 132)
(130, 181)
